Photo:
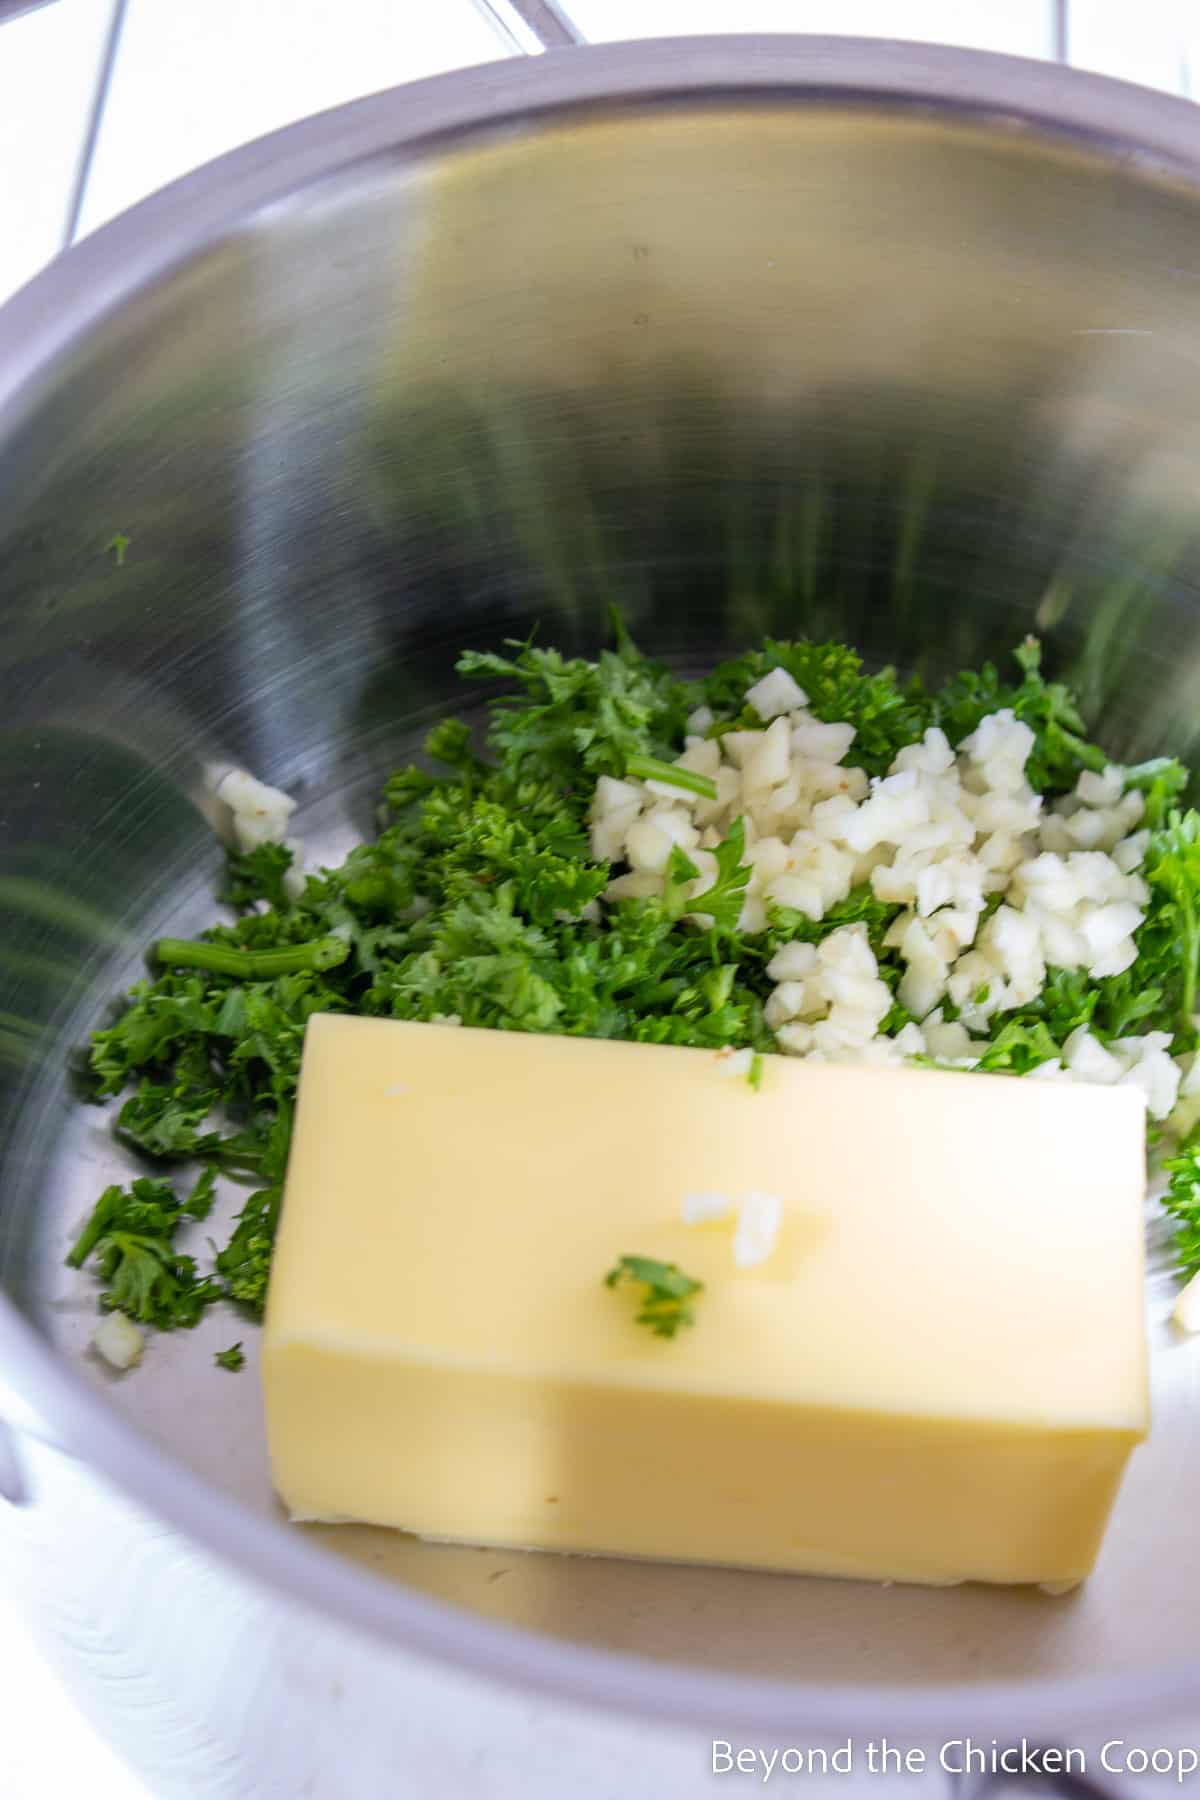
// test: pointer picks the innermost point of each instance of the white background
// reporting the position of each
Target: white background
(193, 78)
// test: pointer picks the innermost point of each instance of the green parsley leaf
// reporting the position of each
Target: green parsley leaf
(160, 1023)
(572, 718)
(245, 1261)
(130, 1237)
(1173, 868)
(885, 713)
(1162, 781)
(1182, 1202)
(449, 742)
(164, 1121)
(1018, 1048)
(722, 900)
(666, 1304)
(1051, 711)
(199, 1202)
(234, 1358)
(258, 874)
(860, 907)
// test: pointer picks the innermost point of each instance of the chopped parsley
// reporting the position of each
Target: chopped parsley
(1173, 869)
(479, 899)
(130, 1237)
(722, 901)
(668, 1292)
(234, 1358)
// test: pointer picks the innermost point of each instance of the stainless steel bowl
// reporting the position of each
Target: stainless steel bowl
(800, 336)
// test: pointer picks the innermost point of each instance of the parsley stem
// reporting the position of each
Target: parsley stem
(1089, 756)
(649, 768)
(88, 1238)
(255, 965)
(1191, 956)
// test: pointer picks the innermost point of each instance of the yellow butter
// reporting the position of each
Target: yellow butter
(937, 1375)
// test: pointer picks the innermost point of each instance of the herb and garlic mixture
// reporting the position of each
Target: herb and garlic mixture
(791, 855)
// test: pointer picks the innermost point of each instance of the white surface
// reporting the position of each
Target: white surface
(1020, 27)
(49, 1749)
(1147, 43)
(48, 63)
(193, 80)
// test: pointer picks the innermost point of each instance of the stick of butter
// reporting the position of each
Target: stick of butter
(936, 1375)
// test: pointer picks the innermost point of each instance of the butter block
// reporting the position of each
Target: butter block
(936, 1375)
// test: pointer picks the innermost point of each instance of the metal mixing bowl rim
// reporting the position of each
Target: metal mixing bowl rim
(38, 328)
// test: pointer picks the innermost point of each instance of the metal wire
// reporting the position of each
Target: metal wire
(91, 136)
(1061, 31)
(544, 21)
